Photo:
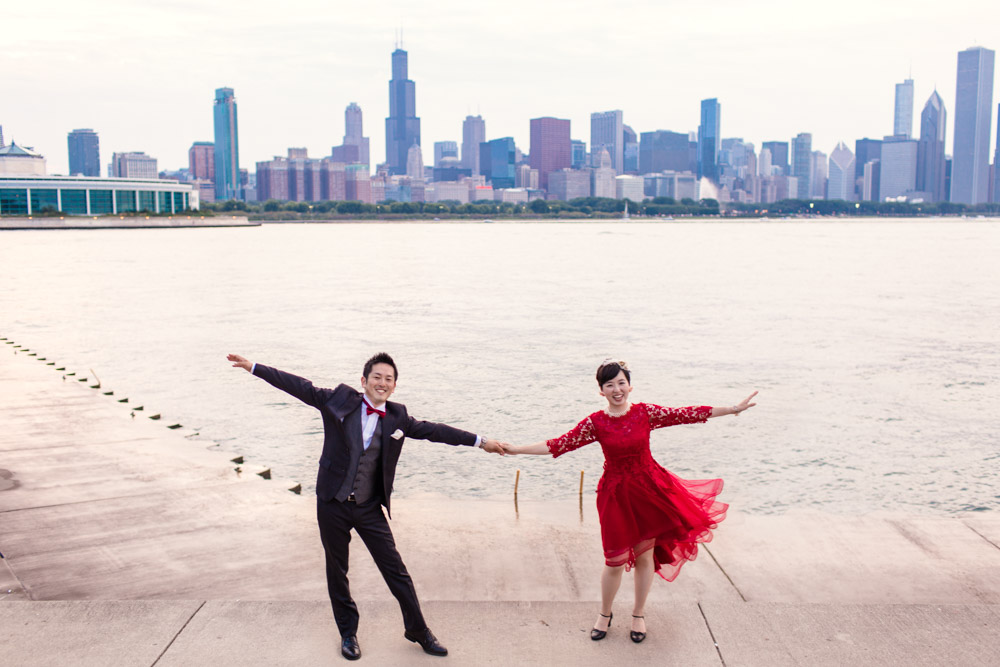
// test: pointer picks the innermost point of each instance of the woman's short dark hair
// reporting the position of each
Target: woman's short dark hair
(380, 358)
(609, 370)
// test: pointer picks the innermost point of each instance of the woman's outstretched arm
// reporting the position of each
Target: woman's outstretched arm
(537, 448)
(745, 404)
(582, 434)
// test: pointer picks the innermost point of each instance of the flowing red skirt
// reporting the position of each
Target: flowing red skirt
(652, 508)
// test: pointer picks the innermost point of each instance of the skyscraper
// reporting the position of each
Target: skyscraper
(664, 151)
(496, 162)
(841, 174)
(579, 154)
(898, 175)
(402, 127)
(135, 164)
(818, 180)
(607, 131)
(84, 152)
(415, 162)
(802, 163)
(902, 123)
(996, 162)
(631, 163)
(973, 117)
(445, 149)
(865, 151)
(227, 151)
(779, 154)
(201, 161)
(550, 147)
(930, 149)
(354, 132)
(709, 139)
(473, 134)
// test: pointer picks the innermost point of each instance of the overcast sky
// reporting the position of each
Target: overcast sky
(143, 74)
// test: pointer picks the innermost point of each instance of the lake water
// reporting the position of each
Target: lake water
(874, 344)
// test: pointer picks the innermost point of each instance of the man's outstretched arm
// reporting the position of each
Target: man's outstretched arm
(298, 387)
(449, 435)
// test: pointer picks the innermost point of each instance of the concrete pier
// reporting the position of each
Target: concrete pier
(124, 222)
(127, 543)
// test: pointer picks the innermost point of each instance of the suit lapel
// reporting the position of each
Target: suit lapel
(352, 427)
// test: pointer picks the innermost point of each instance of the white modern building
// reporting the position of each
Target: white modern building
(840, 178)
(630, 187)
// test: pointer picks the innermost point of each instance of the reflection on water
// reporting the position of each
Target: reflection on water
(873, 344)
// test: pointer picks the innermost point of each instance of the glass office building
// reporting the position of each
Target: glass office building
(33, 195)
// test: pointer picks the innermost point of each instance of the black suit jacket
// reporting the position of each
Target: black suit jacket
(342, 444)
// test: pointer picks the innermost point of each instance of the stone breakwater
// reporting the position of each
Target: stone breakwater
(125, 542)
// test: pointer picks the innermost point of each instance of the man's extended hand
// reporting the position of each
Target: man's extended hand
(494, 446)
(240, 362)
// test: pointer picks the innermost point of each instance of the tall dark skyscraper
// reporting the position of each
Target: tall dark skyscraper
(84, 153)
(709, 139)
(402, 127)
(973, 116)
(227, 148)
(779, 154)
(930, 149)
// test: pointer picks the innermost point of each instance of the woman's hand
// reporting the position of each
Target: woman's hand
(745, 404)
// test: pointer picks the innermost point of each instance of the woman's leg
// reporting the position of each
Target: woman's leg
(644, 571)
(611, 579)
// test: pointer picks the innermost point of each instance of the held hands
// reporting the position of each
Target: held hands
(745, 404)
(240, 362)
(495, 446)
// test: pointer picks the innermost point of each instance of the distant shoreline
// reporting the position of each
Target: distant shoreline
(220, 221)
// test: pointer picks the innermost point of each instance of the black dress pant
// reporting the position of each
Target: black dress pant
(336, 519)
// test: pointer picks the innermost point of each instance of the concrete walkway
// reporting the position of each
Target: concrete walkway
(125, 543)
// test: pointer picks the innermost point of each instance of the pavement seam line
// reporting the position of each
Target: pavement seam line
(174, 638)
(723, 570)
(20, 583)
(712, 635)
(981, 535)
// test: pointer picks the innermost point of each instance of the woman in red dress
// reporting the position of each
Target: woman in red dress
(651, 520)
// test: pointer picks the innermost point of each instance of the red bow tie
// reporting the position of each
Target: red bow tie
(380, 413)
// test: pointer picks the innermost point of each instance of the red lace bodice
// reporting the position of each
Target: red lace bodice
(625, 439)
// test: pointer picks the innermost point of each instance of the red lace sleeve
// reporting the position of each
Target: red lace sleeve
(582, 434)
(660, 416)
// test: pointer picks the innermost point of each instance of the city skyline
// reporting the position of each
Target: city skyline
(656, 67)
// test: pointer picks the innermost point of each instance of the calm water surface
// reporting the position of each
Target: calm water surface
(873, 344)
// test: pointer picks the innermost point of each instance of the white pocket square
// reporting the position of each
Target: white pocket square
(397, 434)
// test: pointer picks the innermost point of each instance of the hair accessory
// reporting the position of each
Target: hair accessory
(609, 361)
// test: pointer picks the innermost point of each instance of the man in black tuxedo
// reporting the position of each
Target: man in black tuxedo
(363, 438)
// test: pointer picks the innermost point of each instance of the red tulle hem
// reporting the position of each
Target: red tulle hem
(670, 515)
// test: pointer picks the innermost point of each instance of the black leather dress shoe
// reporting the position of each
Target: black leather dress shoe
(349, 648)
(427, 641)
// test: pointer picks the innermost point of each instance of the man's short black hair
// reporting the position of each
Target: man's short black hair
(380, 358)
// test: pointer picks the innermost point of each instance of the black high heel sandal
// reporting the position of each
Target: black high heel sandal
(637, 637)
(596, 634)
